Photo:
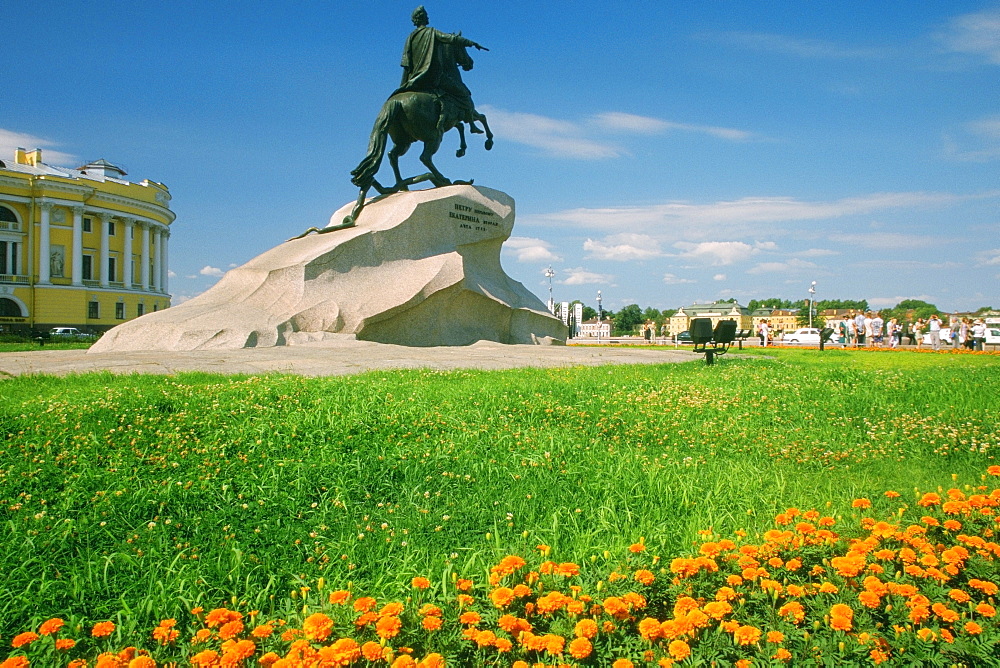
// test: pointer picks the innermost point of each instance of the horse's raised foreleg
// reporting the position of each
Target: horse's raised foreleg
(489, 133)
(461, 149)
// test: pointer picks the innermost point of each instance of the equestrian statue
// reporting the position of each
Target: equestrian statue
(430, 101)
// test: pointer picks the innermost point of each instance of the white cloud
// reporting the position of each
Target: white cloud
(209, 270)
(888, 302)
(673, 279)
(716, 253)
(719, 277)
(623, 247)
(976, 141)
(886, 240)
(580, 276)
(527, 249)
(685, 220)
(977, 34)
(561, 139)
(9, 141)
(988, 258)
(171, 273)
(817, 252)
(795, 46)
(617, 121)
(781, 267)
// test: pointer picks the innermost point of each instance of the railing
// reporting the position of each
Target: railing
(7, 225)
(91, 283)
(10, 278)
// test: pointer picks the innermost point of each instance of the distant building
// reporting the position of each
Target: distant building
(79, 247)
(681, 320)
(594, 329)
(780, 319)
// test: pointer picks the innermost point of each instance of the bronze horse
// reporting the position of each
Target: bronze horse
(411, 116)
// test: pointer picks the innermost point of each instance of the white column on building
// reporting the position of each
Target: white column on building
(126, 270)
(156, 258)
(164, 271)
(105, 249)
(9, 259)
(144, 257)
(44, 249)
(77, 251)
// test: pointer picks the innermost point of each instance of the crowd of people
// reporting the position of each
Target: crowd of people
(870, 330)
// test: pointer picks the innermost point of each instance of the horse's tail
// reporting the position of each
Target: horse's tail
(363, 175)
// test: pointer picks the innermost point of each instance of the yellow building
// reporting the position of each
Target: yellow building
(716, 311)
(79, 247)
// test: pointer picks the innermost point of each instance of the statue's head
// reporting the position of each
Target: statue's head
(419, 16)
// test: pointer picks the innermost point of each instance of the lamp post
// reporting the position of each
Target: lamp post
(600, 316)
(812, 301)
(549, 274)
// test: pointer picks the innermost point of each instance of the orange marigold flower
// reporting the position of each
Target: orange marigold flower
(364, 604)
(986, 610)
(16, 662)
(230, 629)
(580, 648)
(262, 631)
(23, 639)
(841, 610)
(649, 629)
(430, 609)
(984, 586)
(470, 618)
(929, 499)
(340, 597)
(464, 600)
(50, 626)
(878, 656)
(567, 569)
(220, 616)
(502, 597)
(793, 610)
(782, 654)
(431, 623)
(388, 627)
(420, 583)
(717, 609)
(142, 662)
(393, 609)
(463, 584)
(102, 629)
(644, 577)
(501, 645)
(372, 651)
(775, 637)
(165, 635)
(840, 623)
(959, 596)
(861, 503)
(585, 628)
(636, 548)
(65, 643)
(747, 635)
(404, 661)
(828, 588)
(622, 663)
(927, 635)
(316, 627)
(679, 649)
(993, 470)
(972, 628)
(892, 494)
(870, 599)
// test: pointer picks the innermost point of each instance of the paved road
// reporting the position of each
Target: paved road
(331, 359)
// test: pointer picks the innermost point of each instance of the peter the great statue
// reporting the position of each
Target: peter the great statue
(431, 99)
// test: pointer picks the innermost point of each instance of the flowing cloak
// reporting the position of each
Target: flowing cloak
(424, 69)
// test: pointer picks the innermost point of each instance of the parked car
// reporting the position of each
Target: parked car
(945, 336)
(683, 337)
(805, 335)
(70, 333)
(993, 336)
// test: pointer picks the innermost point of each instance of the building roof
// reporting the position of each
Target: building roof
(723, 308)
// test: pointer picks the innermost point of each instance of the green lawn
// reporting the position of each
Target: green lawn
(135, 498)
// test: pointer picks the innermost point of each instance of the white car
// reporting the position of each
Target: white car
(945, 336)
(808, 335)
(69, 333)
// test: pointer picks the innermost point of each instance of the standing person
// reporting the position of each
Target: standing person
(918, 332)
(764, 331)
(963, 333)
(934, 327)
(869, 332)
(845, 336)
(877, 324)
(859, 328)
(979, 335)
(893, 331)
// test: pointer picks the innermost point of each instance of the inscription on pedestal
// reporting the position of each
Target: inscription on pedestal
(473, 218)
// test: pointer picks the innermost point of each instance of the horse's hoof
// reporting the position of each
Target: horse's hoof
(460, 153)
(489, 144)
(348, 221)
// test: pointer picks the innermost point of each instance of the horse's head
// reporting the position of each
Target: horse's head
(461, 56)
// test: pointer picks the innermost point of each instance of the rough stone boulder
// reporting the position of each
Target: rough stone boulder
(420, 269)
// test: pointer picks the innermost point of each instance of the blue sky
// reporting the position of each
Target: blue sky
(661, 152)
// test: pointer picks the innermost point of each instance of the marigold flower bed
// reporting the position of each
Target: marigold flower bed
(903, 583)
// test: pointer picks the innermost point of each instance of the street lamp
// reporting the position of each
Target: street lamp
(549, 274)
(600, 316)
(812, 301)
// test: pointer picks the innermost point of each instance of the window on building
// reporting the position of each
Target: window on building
(3, 257)
(112, 265)
(140, 309)
(120, 310)
(7, 216)
(111, 228)
(94, 310)
(88, 224)
(88, 267)
(9, 309)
